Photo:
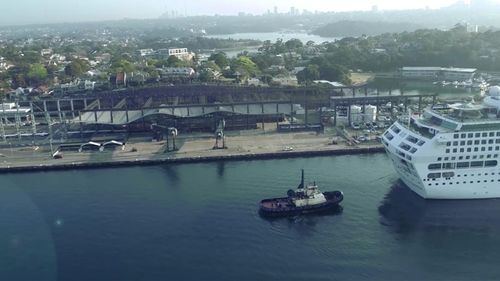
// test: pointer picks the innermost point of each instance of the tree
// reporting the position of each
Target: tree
(211, 65)
(293, 44)
(245, 66)
(220, 59)
(173, 61)
(74, 69)
(334, 72)
(37, 73)
(206, 75)
(308, 74)
(122, 66)
(18, 81)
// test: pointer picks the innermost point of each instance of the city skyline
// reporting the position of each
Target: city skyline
(58, 11)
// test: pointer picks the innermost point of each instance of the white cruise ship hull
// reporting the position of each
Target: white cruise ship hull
(412, 159)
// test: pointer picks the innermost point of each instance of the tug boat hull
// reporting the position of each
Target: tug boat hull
(284, 206)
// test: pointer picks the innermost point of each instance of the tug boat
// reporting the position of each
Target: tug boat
(305, 199)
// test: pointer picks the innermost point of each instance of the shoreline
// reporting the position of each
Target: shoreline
(192, 159)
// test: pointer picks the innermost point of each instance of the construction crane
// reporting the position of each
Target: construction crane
(159, 131)
(220, 138)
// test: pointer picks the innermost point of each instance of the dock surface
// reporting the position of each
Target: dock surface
(192, 148)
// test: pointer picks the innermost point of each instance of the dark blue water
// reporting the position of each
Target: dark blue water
(200, 222)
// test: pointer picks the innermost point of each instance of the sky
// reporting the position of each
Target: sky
(16, 12)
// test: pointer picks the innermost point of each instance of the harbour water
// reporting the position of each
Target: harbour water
(200, 222)
(273, 36)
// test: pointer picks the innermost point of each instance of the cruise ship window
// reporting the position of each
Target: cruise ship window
(476, 164)
(439, 158)
(497, 147)
(455, 136)
(434, 175)
(483, 148)
(476, 149)
(490, 148)
(492, 134)
(469, 142)
(474, 157)
(462, 143)
(469, 149)
(462, 136)
(448, 175)
(498, 134)
(460, 157)
(490, 141)
(476, 142)
(449, 166)
(497, 141)
(434, 166)
(485, 134)
(454, 150)
(483, 141)
(477, 135)
(488, 156)
(467, 157)
(455, 143)
(481, 156)
(453, 158)
(490, 163)
(447, 151)
(470, 135)
(462, 150)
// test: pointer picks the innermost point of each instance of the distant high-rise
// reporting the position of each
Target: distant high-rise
(275, 9)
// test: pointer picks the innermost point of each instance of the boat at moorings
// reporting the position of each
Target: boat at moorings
(305, 199)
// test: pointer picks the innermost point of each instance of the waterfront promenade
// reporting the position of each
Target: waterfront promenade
(192, 148)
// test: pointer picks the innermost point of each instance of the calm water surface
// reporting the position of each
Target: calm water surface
(273, 36)
(200, 222)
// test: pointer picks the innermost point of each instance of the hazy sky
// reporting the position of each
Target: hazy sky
(14, 12)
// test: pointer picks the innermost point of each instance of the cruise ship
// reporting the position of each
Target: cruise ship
(449, 151)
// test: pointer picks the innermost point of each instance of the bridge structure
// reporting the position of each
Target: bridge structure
(185, 107)
(345, 102)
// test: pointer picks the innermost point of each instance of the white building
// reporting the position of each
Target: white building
(428, 73)
(146, 52)
(177, 72)
(356, 114)
(433, 73)
(370, 113)
(286, 80)
(458, 73)
(181, 53)
(46, 52)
